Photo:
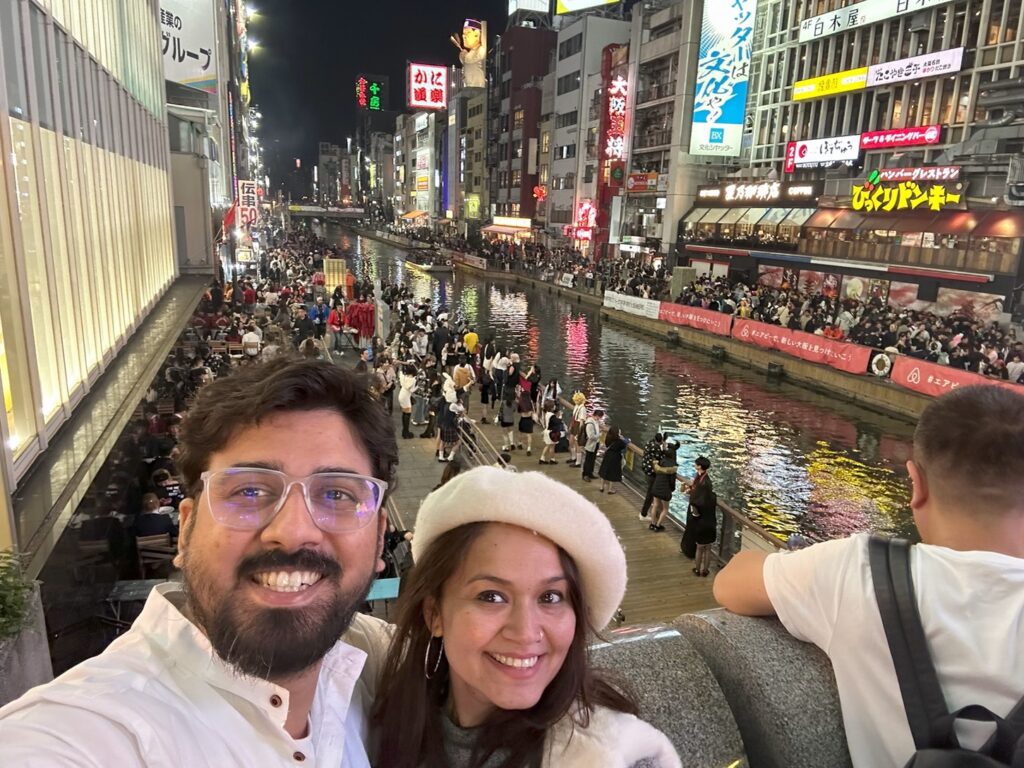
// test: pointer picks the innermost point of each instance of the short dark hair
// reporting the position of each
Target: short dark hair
(703, 463)
(970, 445)
(252, 393)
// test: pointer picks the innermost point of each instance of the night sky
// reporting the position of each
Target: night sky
(310, 52)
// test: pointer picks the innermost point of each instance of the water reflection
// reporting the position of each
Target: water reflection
(794, 460)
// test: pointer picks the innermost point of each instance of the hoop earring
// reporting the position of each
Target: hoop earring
(426, 659)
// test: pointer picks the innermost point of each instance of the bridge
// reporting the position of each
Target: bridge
(325, 212)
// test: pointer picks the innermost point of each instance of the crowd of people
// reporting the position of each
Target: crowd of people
(957, 340)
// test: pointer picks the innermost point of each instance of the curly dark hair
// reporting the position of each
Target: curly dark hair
(252, 393)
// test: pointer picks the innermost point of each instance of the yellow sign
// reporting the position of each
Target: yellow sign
(472, 208)
(334, 274)
(829, 85)
(905, 196)
(572, 6)
(422, 183)
(513, 221)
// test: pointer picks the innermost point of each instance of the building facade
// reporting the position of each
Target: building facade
(328, 173)
(85, 212)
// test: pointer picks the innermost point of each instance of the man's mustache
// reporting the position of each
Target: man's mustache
(279, 560)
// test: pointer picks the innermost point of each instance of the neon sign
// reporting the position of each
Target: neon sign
(428, 87)
(370, 93)
(615, 136)
(905, 196)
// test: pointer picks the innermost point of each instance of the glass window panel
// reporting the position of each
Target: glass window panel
(79, 64)
(60, 45)
(79, 248)
(13, 51)
(70, 330)
(35, 265)
(93, 256)
(41, 68)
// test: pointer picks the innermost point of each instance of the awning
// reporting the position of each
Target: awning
(773, 217)
(955, 223)
(498, 229)
(1000, 224)
(823, 217)
(695, 215)
(713, 215)
(732, 215)
(753, 215)
(847, 219)
(881, 223)
(797, 216)
(413, 214)
(912, 222)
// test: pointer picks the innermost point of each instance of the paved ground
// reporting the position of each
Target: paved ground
(661, 583)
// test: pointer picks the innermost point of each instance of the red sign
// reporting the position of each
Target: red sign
(933, 173)
(642, 182)
(615, 135)
(428, 87)
(933, 379)
(362, 95)
(790, 166)
(841, 355)
(901, 137)
(695, 317)
(583, 233)
(586, 214)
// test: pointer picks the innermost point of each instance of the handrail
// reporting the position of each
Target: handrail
(480, 448)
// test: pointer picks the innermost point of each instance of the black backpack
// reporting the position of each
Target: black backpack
(931, 722)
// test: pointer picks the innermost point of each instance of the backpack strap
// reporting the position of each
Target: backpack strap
(930, 722)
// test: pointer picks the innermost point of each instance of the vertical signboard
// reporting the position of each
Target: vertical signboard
(248, 203)
(188, 40)
(723, 72)
(371, 92)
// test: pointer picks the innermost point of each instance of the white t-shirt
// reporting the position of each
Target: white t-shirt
(972, 608)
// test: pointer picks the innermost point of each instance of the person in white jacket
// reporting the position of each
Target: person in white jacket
(488, 658)
(406, 385)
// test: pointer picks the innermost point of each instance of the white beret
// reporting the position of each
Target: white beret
(534, 501)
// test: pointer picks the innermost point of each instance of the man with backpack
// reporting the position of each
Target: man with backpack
(652, 452)
(881, 610)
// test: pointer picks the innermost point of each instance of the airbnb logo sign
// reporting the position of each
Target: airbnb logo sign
(901, 137)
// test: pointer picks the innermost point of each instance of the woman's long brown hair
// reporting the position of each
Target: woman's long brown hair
(406, 721)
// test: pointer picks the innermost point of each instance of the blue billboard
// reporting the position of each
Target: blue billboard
(723, 72)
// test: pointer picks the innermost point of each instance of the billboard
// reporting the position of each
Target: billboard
(916, 67)
(472, 45)
(901, 137)
(723, 72)
(929, 173)
(248, 202)
(571, 6)
(818, 153)
(926, 65)
(428, 86)
(739, 193)
(859, 15)
(372, 92)
(535, 6)
(188, 38)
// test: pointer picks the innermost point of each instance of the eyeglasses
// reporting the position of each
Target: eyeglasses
(248, 498)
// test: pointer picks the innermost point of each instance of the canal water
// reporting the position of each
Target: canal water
(794, 460)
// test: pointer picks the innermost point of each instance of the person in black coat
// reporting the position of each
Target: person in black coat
(611, 465)
(664, 485)
(701, 517)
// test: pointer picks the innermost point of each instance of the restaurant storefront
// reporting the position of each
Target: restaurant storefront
(509, 228)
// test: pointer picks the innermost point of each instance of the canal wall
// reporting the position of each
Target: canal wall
(869, 391)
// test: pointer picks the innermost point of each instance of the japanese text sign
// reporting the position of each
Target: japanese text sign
(905, 196)
(694, 317)
(737, 193)
(901, 137)
(248, 202)
(841, 355)
(934, 379)
(371, 93)
(816, 153)
(914, 68)
(932, 173)
(188, 40)
(829, 85)
(615, 134)
(723, 72)
(428, 87)
(859, 15)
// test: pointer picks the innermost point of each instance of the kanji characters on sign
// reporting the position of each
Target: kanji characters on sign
(428, 87)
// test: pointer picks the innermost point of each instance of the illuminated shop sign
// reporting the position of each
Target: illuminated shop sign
(586, 215)
(571, 6)
(820, 153)
(723, 71)
(933, 173)
(615, 135)
(916, 67)
(901, 137)
(512, 221)
(428, 86)
(371, 93)
(189, 41)
(739, 193)
(248, 202)
(874, 195)
(422, 182)
(642, 182)
(537, 6)
(421, 123)
(860, 15)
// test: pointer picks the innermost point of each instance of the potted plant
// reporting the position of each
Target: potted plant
(24, 651)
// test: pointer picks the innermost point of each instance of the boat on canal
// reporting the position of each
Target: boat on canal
(428, 260)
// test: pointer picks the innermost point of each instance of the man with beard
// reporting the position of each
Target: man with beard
(286, 466)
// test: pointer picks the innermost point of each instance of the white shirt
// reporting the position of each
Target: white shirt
(972, 609)
(159, 697)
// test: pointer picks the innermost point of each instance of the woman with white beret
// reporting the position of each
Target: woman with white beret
(488, 667)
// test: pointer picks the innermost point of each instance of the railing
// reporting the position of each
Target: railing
(480, 450)
(656, 91)
(654, 139)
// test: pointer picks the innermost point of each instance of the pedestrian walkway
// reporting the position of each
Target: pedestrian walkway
(661, 583)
